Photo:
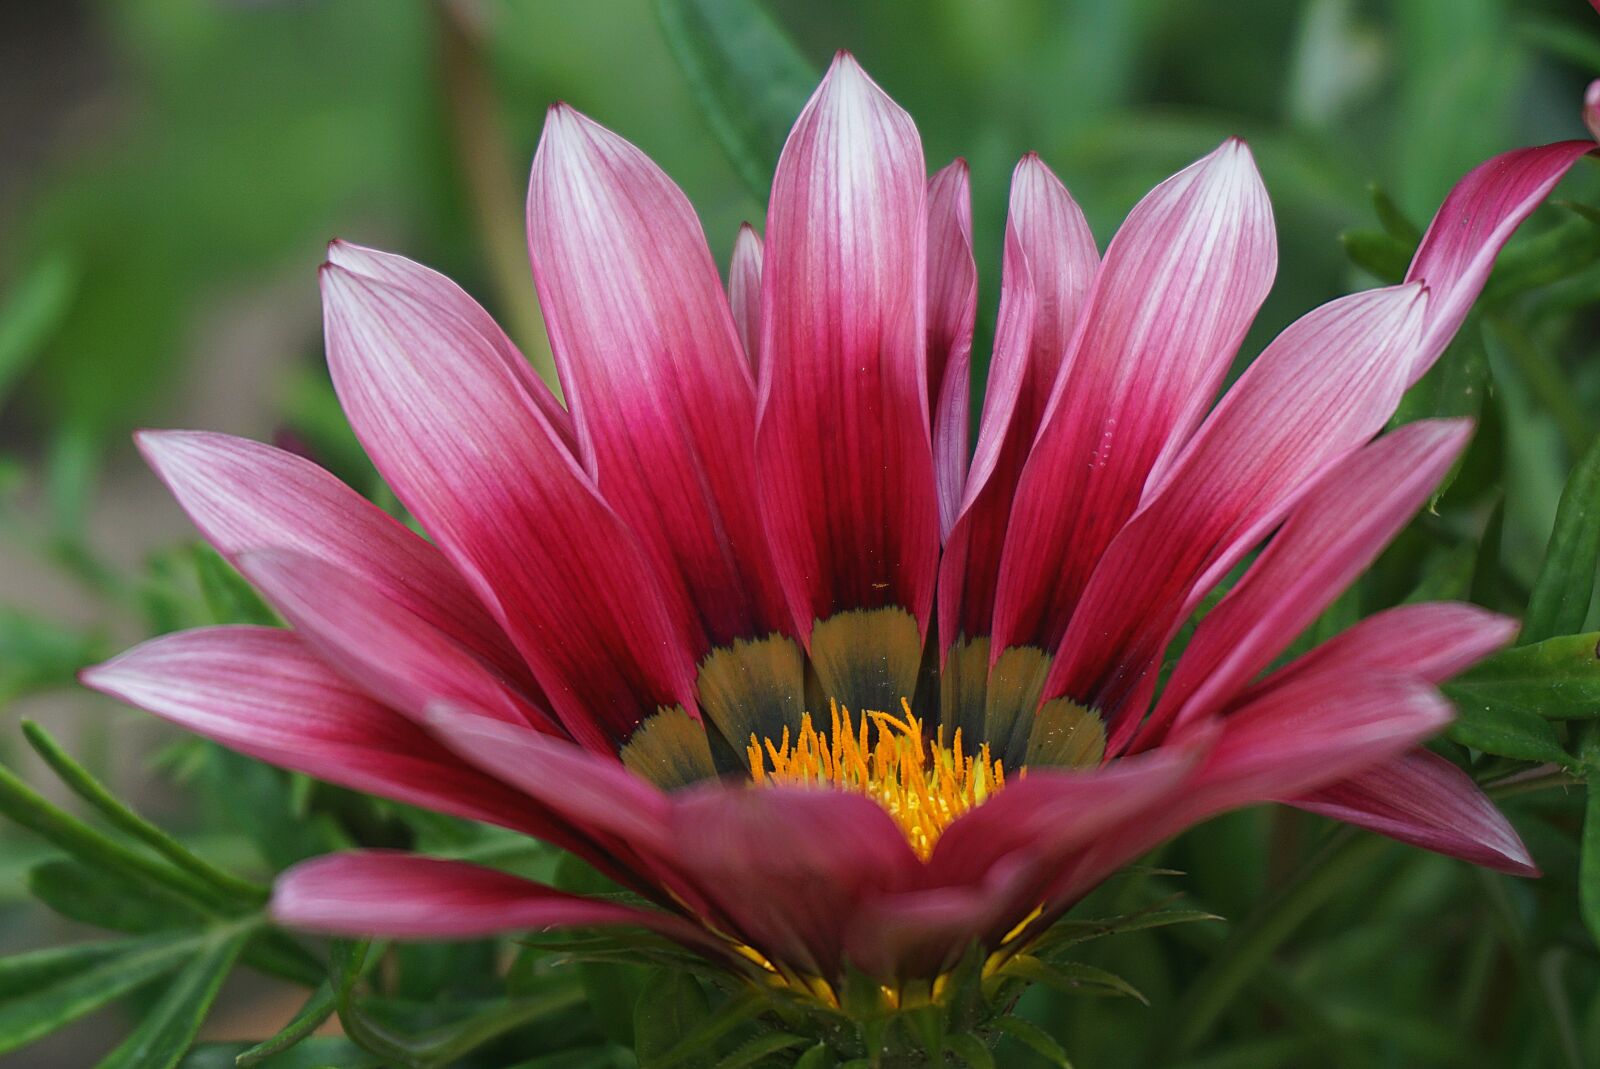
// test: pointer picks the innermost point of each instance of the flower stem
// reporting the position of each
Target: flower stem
(492, 192)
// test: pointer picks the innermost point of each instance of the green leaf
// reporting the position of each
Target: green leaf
(1070, 932)
(106, 899)
(1559, 604)
(970, 1049)
(228, 597)
(1380, 254)
(318, 1052)
(317, 1009)
(48, 1008)
(817, 1057)
(1557, 679)
(613, 989)
(1589, 845)
(704, 1038)
(1544, 258)
(171, 1025)
(1393, 217)
(30, 809)
(38, 654)
(755, 1050)
(747, 76)
(1035, 1039)
(91, 790)
(1071, 977)
(22, 973)
(1508, 732)
(670, 1005)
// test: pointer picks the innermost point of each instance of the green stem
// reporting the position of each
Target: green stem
(487, 172)
(1345, 855)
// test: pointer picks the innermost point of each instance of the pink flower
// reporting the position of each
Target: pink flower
(746, 630)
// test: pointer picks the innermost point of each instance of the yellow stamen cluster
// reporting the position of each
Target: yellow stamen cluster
(923, 788)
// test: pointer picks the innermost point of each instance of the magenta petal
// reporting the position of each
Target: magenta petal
(455, 434)
(1330, 538)
(1422, 799)
(260, 691)
(1591, 107)
(592, 792)
(1325, 385)
(396, 895)
(788, 867)
(429, 285)
(1469, 230)
(1179, 286)
(655, 373)
(1432, 641)
(380, 644)
(1050, 260)
(744, 292)
(842, 443)
(952, 311)
(245, 496)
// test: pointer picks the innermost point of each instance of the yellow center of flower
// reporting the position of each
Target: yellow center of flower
(887, 758)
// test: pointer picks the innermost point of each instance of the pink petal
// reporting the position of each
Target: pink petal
(843, 446)
(1325, 385)
(1331, 537)
(952, 311)
(1591, 106)
(262, 692)
(396, 895)
(1472, 225)
(590, 791)
(430, 286)
(1422, 799)
(380, 644)
(456, 436)
(656, 376)
(1050, 261)
(1432, 641)
(789, 866)
(245, 496)
(744, 293)
(1179, 286)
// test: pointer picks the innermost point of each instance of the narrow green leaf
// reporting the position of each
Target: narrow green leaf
(171, 1025)
(755, 1050)
(91, 790)
(317, 1009)
(38, 654)
(745, 73)
(970, 1049)
(26, 1019)
(1507, 732)
(1558, 679)
(817, 1057)
(30, 809)
(670, 1006)
(1071, 977)
(1544, 258)
(703, 1039)
(24, 973)
(1393, 217)
(1035, 1039)
(1070, 932)
(1559, 604)
(1589, 845)
(107, 899)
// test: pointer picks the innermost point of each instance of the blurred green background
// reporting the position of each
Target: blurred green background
(171, 169)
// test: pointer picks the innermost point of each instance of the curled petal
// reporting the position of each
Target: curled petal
(1472, 225)
(1422, 799)
(744, 292)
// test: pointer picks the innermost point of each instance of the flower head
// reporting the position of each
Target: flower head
(744, 626)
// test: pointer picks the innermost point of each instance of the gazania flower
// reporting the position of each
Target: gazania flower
(743, 627)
